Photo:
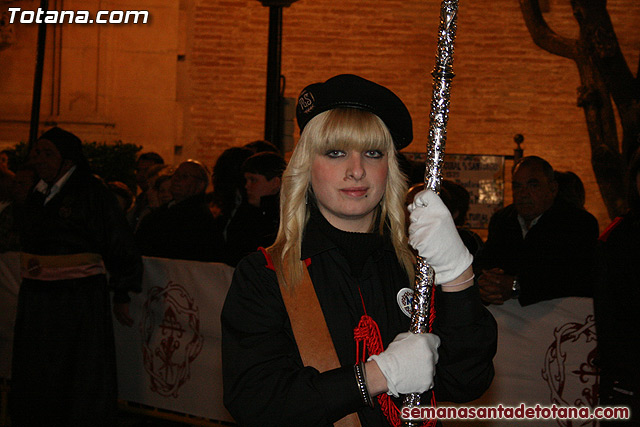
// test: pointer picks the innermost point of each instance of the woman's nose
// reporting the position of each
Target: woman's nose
(355, 168)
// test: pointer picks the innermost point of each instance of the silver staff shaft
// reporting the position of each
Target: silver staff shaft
(438, 118)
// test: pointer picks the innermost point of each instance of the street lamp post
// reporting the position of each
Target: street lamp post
(37, 81)
(273, 111)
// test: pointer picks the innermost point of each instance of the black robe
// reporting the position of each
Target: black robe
(64, 369)
(265, 382)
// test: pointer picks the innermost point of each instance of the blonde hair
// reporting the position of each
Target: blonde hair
(337, 129)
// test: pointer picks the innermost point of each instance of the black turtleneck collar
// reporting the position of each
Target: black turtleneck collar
(354, 247)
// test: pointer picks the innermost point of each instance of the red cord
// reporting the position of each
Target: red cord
(367, 333)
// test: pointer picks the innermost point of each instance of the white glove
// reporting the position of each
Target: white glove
(433, 234)
(409, 363)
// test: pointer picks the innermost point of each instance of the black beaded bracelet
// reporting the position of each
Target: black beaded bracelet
(361, 380)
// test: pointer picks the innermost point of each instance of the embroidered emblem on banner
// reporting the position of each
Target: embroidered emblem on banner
(171, 338)
(572, 380)
(405, 300)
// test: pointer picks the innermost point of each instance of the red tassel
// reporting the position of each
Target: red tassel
(367, 333)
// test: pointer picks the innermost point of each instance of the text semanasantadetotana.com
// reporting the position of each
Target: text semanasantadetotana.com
(522, 412)
(41, 16)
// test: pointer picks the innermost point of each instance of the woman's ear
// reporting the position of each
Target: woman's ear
(275, 183)
(310, 197)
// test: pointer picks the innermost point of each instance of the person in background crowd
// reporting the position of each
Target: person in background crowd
(160, 181)
(72, 233)
(150, 197)
(413, 170)
(162, 190)
(228, 185)
(616, 302)
(144, 163)
(20, 186)
(9, 239)
(570, 188)
(255, 223)
(183, 228)
(123, 194)
(261, 146)
(456, 199)
(540, 247)
(340, 260)
(148, 165)
(4, 163)
(24, 180)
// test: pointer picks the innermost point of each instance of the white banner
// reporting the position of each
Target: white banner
(171, 357)
(545, 356)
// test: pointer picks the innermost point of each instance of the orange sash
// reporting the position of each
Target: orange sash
(312, 334)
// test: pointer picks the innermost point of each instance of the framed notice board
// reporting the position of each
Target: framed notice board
(483, 177)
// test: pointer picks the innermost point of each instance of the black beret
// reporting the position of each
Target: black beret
(350, 91)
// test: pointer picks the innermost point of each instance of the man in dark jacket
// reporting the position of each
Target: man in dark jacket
(538, 248)
(183, 228)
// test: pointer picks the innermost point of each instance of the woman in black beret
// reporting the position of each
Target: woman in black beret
(314, 328)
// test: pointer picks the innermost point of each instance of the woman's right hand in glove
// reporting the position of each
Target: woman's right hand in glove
(408, 364)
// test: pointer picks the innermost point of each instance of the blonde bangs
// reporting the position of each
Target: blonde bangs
(349, 129)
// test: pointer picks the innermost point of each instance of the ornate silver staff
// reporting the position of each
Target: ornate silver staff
(421, 319)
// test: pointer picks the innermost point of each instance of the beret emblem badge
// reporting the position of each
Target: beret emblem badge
(306, 101)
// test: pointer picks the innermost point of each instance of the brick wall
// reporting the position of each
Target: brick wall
(504, 84)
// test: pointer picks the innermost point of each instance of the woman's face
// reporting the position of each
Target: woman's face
(348, 185)
(47, 160)
(164, 192)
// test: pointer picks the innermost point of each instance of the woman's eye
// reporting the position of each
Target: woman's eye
(334, 154)
(374, 154)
